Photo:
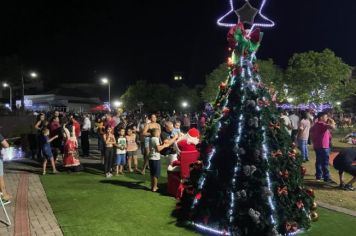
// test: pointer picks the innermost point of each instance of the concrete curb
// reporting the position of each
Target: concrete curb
(337, 209)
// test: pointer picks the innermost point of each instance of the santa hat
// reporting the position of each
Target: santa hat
(193, 136)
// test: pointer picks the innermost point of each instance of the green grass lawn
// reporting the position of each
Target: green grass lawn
(330, 193)
(89, 204)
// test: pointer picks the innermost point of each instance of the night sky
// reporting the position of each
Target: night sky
(150, 40)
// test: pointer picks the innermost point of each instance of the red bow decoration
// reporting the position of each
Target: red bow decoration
(282, 191)
(291, 227)
(263, 103)
(284, 174)
(277, 153)
(300, 204)
(231, 36)
(274, 125)
(255, 35)
(292, 155)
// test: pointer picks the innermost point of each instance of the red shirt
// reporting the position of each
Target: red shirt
(110, 123)
(76, 128)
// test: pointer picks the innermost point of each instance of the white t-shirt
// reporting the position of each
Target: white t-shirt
(294, 119)
(287, 123)
(121, 149)
(154, 153)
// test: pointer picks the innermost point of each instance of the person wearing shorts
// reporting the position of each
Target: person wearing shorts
(121, 147)
(155, 158)
(47, 151)
(132, 148)
(343, 162)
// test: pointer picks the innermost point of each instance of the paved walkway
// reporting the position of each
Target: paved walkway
(29, 211)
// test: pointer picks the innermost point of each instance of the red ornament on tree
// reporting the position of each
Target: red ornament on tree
(226, 111)
(284, 174)
(222, 86)
(198, 196)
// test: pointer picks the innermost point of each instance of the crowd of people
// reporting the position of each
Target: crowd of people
(306, 128)
(120, 136)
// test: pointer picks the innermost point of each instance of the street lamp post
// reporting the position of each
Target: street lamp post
(33, 75)
(140, 105)
(5, 85)
(107, 81)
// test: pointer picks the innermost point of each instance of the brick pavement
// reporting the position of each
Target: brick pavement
(29, 211)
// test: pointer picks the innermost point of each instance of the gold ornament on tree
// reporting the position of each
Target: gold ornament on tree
(314, 216)
(314, 206)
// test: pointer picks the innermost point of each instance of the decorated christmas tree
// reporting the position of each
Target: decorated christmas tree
(249, 179)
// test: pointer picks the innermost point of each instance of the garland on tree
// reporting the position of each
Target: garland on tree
(249, 179)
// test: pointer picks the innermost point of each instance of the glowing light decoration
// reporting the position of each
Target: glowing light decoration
(269, 23)
(210, 229)
(263, 25)
(220, 20)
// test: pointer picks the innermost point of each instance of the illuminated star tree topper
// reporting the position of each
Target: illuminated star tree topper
(247, 14)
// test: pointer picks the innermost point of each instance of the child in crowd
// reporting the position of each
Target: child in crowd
(131, 149)
(155, 158)
(47, 151)
(176, 129)
(109, 140)
(121, 147)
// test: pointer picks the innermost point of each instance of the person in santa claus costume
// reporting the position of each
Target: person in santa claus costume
(188, 143)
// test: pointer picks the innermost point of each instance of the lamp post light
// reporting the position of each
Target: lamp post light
(117, 104)
(32, 75)
(185, 104)
(5, 85)
(107, 81)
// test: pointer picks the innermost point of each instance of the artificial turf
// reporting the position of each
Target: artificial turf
(88, 204)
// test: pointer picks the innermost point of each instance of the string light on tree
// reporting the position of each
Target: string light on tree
(249, 173)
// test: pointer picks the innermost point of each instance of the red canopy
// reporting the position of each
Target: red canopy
(99, 108)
